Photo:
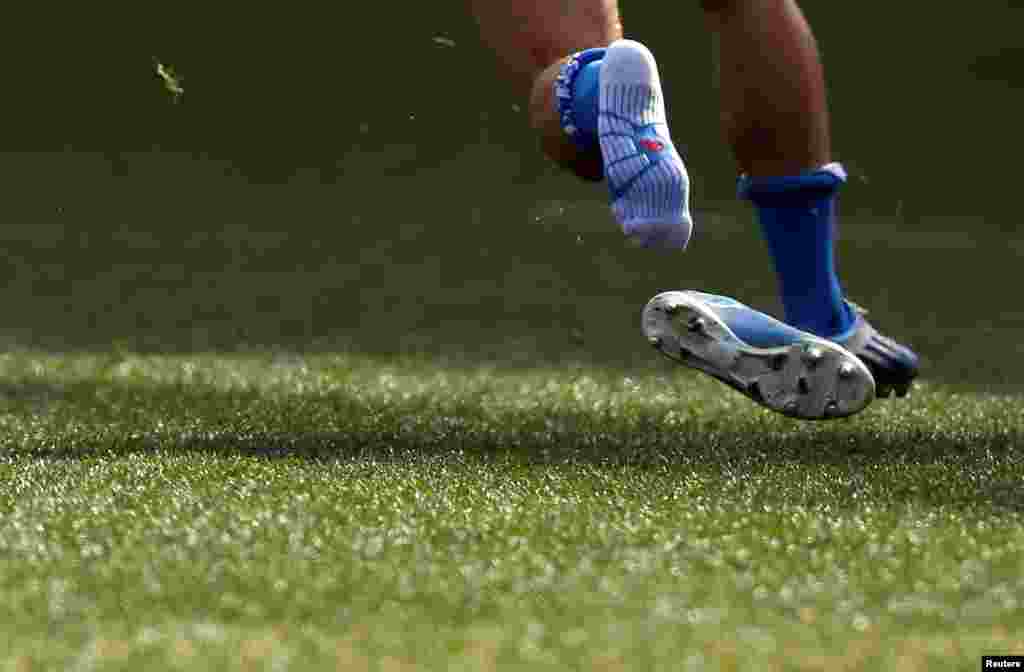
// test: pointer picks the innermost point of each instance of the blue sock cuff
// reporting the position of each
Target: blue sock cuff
(579, 122)
(781, 190)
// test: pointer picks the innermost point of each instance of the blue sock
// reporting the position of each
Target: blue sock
(578, 92)
(797, 216)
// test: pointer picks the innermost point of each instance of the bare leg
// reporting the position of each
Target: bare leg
(532, 39)
(774, 111)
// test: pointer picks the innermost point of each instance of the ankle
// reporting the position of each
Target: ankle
(584, 162)
(577, 94)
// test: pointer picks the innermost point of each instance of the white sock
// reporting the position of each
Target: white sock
(649, 184)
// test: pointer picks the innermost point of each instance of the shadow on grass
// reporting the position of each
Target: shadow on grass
(938, 451)
(30, 396)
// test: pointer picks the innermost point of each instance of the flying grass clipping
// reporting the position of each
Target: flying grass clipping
(170, 79)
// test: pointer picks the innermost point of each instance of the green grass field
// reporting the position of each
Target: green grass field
(260, 511)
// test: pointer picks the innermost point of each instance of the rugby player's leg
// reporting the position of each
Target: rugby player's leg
(533, 39)
(596, 102)
(775, 116)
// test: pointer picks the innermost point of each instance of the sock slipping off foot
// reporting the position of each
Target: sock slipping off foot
(613, 97)
(797, 216)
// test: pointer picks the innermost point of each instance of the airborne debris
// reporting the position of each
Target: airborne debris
(171, 80)
(444, 41)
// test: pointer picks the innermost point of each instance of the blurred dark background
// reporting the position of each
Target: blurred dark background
(335, 178)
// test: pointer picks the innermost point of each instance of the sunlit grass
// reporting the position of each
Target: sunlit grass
(336, 512)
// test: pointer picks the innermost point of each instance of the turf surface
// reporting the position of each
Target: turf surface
(339, 512)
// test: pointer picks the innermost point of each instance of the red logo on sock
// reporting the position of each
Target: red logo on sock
(652, 145)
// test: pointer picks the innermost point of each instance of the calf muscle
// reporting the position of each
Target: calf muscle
(529, 36)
